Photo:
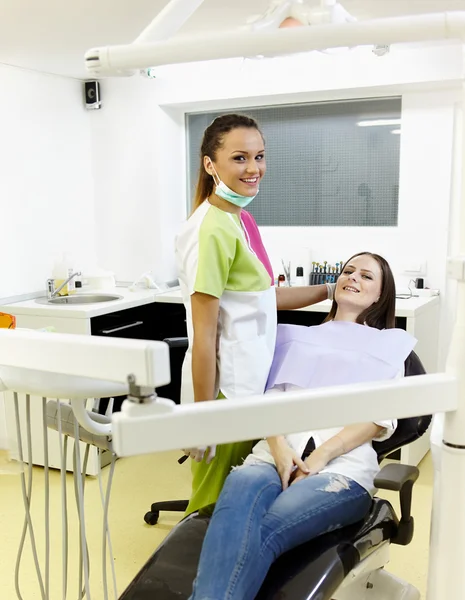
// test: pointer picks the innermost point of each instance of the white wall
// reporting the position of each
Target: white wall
(46, 189)
(139, 173)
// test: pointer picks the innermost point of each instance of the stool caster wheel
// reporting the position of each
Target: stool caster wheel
(151, 518)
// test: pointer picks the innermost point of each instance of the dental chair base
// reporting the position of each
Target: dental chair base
(365, 583)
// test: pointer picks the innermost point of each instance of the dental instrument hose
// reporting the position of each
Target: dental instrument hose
(27, 495)
(79, 485)
(64, 503)
(105, 498)
(47, 499)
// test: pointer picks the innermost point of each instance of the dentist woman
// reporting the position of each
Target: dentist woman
(228, 291)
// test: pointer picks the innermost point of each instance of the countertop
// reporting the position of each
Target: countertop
(410, 307)
(83, 311)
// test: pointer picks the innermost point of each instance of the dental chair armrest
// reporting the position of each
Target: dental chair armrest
(400, 478)
(177, 342)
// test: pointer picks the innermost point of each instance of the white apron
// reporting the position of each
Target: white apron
(246, 340)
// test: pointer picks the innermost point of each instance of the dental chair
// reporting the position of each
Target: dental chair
(347, 564)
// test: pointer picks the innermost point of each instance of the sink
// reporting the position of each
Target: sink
(79, 299)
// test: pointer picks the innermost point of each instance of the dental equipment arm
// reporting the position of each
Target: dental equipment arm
(51, 360)
(112, 60)
(254, 417)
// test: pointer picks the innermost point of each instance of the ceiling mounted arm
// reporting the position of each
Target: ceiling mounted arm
(420, 28)
(168, 21)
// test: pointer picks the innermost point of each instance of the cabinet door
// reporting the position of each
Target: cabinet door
(155, 321)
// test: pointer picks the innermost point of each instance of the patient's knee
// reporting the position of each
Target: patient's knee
(248, 474)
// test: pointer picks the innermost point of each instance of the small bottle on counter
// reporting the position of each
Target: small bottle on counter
(299, 276)
(281, 280)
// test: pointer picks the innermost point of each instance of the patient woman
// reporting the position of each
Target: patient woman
(277, 501)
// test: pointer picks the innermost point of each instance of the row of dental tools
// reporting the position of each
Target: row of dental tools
(325, 273)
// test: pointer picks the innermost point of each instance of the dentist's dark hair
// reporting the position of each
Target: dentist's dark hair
(212, 141)
(380, 314)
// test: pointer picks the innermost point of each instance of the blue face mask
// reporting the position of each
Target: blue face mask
(223, 191)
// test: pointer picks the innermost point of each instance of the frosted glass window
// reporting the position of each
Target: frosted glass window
(323, 167)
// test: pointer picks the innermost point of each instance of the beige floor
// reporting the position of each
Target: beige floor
(139, 481)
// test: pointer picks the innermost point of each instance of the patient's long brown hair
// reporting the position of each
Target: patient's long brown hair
(382, 313)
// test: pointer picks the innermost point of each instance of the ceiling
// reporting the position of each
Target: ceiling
(53, 35)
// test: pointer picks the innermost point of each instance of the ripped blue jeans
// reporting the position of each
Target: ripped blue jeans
(255, 521)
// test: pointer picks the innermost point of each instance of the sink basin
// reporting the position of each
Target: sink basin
(79, 299)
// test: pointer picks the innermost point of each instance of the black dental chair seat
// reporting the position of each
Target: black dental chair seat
(311, 571)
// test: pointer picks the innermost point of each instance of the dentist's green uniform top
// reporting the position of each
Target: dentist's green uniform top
(214, 257)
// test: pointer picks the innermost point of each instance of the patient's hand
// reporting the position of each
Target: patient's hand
(286, 460)
(315, 463)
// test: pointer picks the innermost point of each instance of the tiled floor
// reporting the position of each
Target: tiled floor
(138, 482)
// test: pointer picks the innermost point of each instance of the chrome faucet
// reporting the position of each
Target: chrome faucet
(52, 292)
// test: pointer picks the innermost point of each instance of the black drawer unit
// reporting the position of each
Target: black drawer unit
(155, 321)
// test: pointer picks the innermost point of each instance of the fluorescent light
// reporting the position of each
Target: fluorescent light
(396, 131)
(378, 122)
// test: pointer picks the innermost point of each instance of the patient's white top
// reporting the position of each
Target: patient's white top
(335, 353)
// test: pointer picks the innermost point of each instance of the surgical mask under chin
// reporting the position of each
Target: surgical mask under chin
(223, 191)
